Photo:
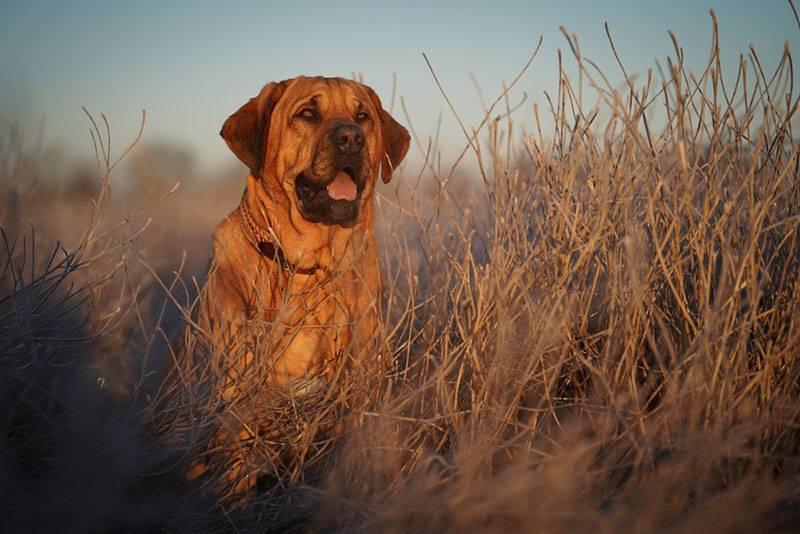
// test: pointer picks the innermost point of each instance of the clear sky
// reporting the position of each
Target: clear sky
(192, 63)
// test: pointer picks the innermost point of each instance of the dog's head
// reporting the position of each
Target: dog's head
(321, 142)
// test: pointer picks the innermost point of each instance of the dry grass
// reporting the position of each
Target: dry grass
(599, 331)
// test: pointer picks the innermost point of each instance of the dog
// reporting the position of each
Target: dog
(299, 252)
(301, 242)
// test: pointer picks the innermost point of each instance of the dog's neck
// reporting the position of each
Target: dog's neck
(305, 245)
(261, 239)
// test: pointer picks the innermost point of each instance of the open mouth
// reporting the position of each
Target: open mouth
(342, 186)
(334, 200)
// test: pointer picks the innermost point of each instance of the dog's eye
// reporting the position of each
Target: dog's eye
(362, 116)
(307, 113)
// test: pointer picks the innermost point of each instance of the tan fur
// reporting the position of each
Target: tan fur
(325, 318)
(338, 303)
(320, 313)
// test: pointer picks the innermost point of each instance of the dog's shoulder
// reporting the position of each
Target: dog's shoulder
(226, 236)
(232, 254)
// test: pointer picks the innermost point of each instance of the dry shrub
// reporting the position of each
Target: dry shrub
(597, 332)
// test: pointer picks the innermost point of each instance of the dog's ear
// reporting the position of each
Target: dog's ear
(395, 138)
(246, 130)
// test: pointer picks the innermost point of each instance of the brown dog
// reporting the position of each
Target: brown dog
(299, 252)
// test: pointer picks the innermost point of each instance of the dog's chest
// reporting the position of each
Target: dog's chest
(314, 327)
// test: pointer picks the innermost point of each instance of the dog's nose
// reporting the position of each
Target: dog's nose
(348, 138)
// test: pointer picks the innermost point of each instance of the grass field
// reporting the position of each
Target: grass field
(592, 326)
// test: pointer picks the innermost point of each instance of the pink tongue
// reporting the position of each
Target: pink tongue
(342, 187)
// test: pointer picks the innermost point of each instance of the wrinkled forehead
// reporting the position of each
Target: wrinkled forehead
(327, 94)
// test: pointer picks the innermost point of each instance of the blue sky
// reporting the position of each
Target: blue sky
(191, 64)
